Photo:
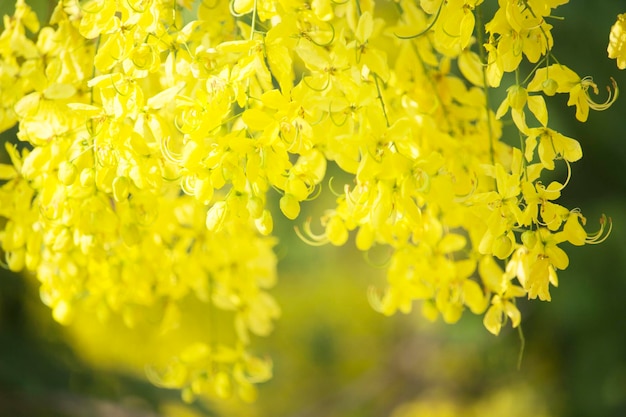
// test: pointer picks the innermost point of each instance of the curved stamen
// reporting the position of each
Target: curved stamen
(600, 236)
(429, 27)
(332, 118)
(307, 36)
(332, 190)
(380, 265)
(587, 83)
(188, 185)
(465, 197)
(314, 192)
(374, 299)
(309, 237)
(169, 155)
(319, 90)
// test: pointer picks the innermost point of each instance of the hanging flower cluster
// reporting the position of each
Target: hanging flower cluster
(150, 142)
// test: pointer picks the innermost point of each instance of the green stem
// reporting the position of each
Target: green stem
(358, 8)
(380, 98)
(522, 346)
(253, 23)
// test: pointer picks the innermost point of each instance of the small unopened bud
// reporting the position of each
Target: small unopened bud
(529, 239)
(216, 215)
(67, 173)
(502, 246)
(290, 206)
(265, 223)
(255, 206)
(87, 177)
(549, 87)
(517, 97)
(365, 237)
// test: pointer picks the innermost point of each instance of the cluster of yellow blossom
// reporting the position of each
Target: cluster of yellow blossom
(153, 131)
(93, 202)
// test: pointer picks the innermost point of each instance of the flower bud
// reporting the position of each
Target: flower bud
(16, 260)
(265, 223)
(365, 237)
(290, 206)
(517, 97)
(216, 215)
(502, 246)
(529, 239)
(549, 87)
(67, 173)
(298, 188)
(255, 206)
(87, 177)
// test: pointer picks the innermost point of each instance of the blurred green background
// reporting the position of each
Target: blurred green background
(334, 356)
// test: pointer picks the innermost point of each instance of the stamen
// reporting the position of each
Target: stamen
(600, 235)
(612, 94)
(429, 27)
(311, 238)
(169, 155)
(374, 299)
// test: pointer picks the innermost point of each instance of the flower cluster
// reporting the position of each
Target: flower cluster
(94, 202)
(150, 142)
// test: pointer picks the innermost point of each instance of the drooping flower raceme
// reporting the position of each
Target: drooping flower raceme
(149, 144)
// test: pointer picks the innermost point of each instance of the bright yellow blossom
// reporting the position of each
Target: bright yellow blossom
(617, 41)
(154, 140)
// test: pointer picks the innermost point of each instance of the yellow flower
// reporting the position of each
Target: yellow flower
(551, 145)
(617, 41)
(567, 81)
(154, 140)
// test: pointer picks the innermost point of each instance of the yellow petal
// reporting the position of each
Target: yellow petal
(7, 172)
(471, 67)
(336, 231)
(215, 216)
(257, 119)
(537, 106)
(364, 28)
(493, 319)
(290, 206)
(474, 297)
(513, 313)
(243, 6)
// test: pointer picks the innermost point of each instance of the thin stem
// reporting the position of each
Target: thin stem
(530, 74)
(522, 142)
(522, 346)
(253, 23)
(380, 98)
